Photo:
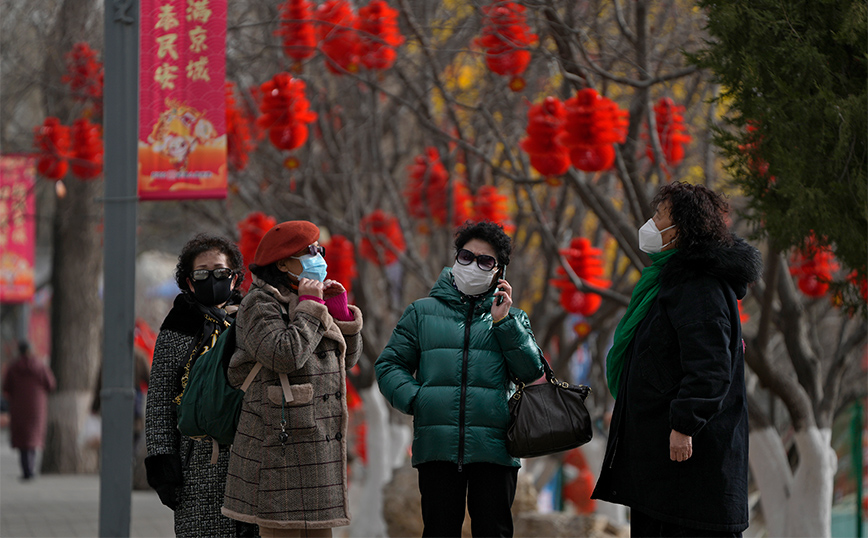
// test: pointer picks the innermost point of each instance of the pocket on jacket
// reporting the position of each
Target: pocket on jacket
(299, 413)
(655, 374)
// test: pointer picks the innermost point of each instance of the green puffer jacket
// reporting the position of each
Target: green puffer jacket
(449, 366)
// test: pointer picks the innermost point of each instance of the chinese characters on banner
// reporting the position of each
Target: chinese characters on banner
(17, 229)
(182, 111)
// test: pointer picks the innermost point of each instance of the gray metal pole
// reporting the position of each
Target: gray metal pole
(120, 133)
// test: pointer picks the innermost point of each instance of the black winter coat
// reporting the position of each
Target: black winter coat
(685, 371)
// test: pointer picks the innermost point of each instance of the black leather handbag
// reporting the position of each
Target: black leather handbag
(547, 417)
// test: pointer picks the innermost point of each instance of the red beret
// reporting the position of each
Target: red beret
(284, 240)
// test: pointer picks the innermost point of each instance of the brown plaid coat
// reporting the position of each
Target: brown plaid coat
(301, 483)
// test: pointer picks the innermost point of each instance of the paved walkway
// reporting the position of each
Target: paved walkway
(66, 505)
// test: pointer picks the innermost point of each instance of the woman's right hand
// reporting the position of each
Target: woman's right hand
(308, 286)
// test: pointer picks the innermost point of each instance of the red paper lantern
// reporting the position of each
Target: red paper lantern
(545, 129)
(297, 31)
(285, 111)
(492, 206)
(579, 488)
(860, 283)
(52, 140)
(382, 239)
(239, 141)
(428, 191)
(813, 266)
(379, 35)
(671, 131)
(585, 262)
(338, 38)
(251, 230)
(506, 38)
(340, 257)
(594, 123)
(753, 150)
(87, 149)
(84, 73)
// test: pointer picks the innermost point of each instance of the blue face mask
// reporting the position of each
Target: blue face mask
(312, 267)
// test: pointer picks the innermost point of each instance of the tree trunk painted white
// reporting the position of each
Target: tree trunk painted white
(795, 504)
(368, 519)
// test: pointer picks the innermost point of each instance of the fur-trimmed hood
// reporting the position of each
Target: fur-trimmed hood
(738, 264)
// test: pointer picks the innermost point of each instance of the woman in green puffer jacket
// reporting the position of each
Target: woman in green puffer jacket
(449, 363)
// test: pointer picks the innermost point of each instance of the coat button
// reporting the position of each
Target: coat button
(325, 397)
(328, 439)
(338, 395)
(338, 437)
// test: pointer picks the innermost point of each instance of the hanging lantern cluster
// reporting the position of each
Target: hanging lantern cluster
(490, 205)
(53, 141)
(251, 230)
(545, 129)
(428, 191)
(756, 164)
(341, 260)
(379, 35)
(297, 31)
(84, 74)
(382, 240)
(338, 39)
(87, 149)
(670, 131)
(239, 141)
(285, 111)
(585, 262)
(594, 124)
(506, 37)
(860, 283)
(813, 266)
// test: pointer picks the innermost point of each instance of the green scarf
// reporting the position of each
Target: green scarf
(643, 295)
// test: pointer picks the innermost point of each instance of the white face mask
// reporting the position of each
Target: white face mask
(650, 238)
(470, 279)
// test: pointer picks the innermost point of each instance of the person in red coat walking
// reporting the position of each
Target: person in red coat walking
(26, 386)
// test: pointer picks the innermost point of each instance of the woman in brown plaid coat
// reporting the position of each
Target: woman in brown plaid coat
(288, 466)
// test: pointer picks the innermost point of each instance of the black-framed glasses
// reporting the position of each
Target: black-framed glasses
(483, 261)
(221, 273)
(313, 250)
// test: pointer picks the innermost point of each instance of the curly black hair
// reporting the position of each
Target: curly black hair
(698, 213)
(490, 232)
(203, 243)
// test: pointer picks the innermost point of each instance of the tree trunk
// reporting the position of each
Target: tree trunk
(76, 322)
(800, 503)
(369, 519)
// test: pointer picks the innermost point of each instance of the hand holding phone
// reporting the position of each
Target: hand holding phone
(500, 297)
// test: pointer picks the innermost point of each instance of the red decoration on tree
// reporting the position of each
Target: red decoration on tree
(84, 75)
(585, 262)
(505, 38)
(87, 149)
(594, 123)
(339, 40)
(752, 149)
(578, 489)
(297, 31)
(52, 140)
(285, 112)
(545, 129)
(382, 239)
(379, 35)
(813, 266)
(492, 206)
(670, 131)
(239, 142)
(428, 190)
(251, 230)
(860, 283)
(340, 257)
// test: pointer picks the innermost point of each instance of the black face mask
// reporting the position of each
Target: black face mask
(211, 292)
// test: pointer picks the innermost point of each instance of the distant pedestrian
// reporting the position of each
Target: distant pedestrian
(26, 386)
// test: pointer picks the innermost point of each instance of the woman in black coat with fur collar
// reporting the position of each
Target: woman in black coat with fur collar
(677, 452)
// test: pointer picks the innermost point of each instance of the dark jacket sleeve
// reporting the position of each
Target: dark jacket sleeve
(398, 362)
(698, 311)
(519, 347)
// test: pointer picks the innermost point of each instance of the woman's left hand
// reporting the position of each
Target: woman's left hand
(680, 446)
(332, 288)
(500, 311)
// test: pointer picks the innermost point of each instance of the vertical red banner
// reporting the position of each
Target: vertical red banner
(182, 107)
(17, 229)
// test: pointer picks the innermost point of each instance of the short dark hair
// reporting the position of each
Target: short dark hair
(204, 243)
(490, 232)
(698, 212)
(270, 274)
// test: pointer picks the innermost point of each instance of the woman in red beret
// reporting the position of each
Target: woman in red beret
(288, 467)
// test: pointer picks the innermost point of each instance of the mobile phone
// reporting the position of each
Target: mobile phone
(503, 276)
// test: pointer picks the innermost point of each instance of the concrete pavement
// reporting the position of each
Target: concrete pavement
(66, 505)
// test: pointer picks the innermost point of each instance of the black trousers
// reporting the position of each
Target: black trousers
(488, 489)
(642, 525)
(28, 461)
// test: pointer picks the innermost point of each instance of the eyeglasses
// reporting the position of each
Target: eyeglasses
(221, 273)
(483, 261)
(313, 250)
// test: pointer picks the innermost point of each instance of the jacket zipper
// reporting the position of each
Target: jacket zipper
(461, 408)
